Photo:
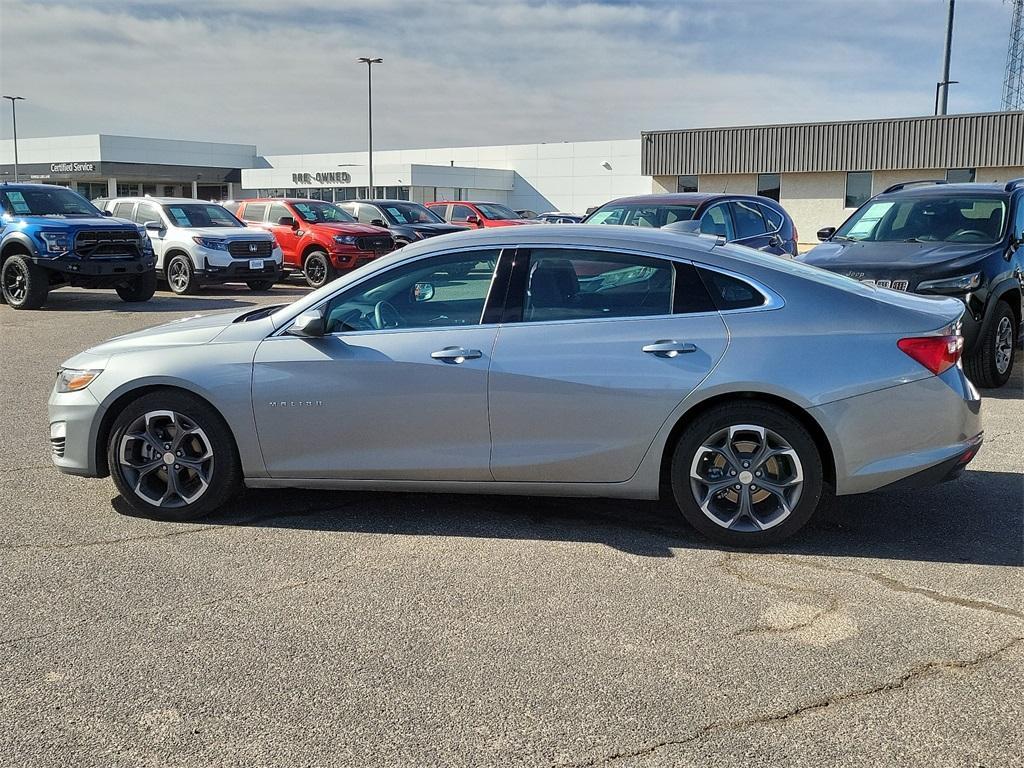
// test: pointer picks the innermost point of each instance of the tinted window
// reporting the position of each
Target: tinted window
(640, 215)
(411, 213)
(461, 212)
(966, 219)
(1019, 226)
(686, 183)
(961, 175)
(200, 215)
(123, 210)
(147, 212)
(317, 212)
(729, 292)
(367, 214)
(277, 212)
(747, 219)
(773, 218)
(442, 291)
(254, 211)
(858, 188)
(716, 221)
(441, 211)
(578, 285)
(769, 185)
(498, 212)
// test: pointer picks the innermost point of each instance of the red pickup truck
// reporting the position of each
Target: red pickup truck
(315, 236)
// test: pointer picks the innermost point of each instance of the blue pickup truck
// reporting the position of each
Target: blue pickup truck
(51, 236)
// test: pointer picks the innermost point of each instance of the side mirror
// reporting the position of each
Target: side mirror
(286, 221)
(379, 223)
(107, 213)
(825, 233)
(309, 325)
(474, 220)
(422, 292)
(154, 226)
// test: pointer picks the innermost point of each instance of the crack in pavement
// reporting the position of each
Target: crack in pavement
(104, 542)
(904, 680)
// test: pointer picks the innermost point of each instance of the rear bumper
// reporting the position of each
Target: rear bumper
(921, 428)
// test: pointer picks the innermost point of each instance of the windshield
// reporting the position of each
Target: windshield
(52, 201)
(967, 219)
(411, 213)
(495, 211)
(316, 212)
(200, 215)
(639, 215)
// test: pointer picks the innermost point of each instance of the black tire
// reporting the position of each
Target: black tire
(139, 288)
(982, 365)
(719, 419)
(180, 276)
(318, 269)
(224, 474)
(260, 285)
(24, 285)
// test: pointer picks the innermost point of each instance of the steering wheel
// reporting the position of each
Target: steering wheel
(960, 233)
(385, 316)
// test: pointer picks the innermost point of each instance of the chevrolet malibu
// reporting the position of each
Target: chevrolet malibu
(558, 360)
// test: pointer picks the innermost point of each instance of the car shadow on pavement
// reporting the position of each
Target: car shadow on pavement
(209, 299)
(976, 519)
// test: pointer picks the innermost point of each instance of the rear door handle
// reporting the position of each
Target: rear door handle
(456, 354)
(669, 348)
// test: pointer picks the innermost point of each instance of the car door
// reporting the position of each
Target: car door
(751, 227)
(396, 388)
(145, 213)
(599, 347)
(460, 214)
(287, 236)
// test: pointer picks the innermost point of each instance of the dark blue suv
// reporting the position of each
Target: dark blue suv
(750, 220)
(930, 237)
(51, 236)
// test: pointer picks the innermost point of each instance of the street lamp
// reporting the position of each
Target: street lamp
(14, 121)
(369, 62)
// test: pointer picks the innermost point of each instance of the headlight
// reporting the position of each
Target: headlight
(56, 242)
(345, 239)
(72, 379)
(213, 243)
(961, 284)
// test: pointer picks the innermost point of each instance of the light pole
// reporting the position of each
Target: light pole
(14, 121)
(942, 88)
(369, 62)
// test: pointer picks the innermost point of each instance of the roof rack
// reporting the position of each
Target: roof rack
(1013, 184)
(905, 184)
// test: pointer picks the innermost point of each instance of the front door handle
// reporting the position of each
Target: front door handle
(456, 354)
(669, 348)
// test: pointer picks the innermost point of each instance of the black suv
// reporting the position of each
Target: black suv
(407, 221)
(961, 240)
(750, 220)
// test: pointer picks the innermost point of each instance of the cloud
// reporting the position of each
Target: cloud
(283, 75)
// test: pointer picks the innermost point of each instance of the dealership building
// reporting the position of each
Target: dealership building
(819, 172)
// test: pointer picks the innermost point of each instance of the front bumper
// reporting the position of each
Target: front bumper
(74, 423)
(884, 437)
(114, 270)
(240, 271)
(343, 257)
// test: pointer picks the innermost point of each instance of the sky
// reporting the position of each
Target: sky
(283, 75)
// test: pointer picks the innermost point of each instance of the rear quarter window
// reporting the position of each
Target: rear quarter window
(728, 292)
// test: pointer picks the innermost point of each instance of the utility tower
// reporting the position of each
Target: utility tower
(1013, 81)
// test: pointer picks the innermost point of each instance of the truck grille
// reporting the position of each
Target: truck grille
(377, 243)
(107, 244)
(250, 249)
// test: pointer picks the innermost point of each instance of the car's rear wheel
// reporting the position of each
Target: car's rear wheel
(746, 474)
(139, 288)
(24, 285)
(990, 363)
(318, 269)
(181, 277)
(172, 457)
(260, 285)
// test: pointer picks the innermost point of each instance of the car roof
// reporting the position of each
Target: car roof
(946, 190)
(464, 202)
(160, 200)
(33, 185)
(379, 201)
(684, 198)
(286, 200)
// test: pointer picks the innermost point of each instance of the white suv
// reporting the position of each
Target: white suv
(198, 242)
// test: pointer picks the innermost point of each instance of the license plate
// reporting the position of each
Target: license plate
(255, 263)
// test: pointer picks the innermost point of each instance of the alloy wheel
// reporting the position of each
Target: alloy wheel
(15, 283)
(166, 458)
(1004, 345)
(746, 478)
(316, 270)
(178, 277)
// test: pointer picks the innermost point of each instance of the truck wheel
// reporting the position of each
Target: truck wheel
(260, 285)
(25, 285)
(139, 288)
(181, 277)
(990, 363)
(318, 269)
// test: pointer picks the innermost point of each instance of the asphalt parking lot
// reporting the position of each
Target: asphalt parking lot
(314, 628)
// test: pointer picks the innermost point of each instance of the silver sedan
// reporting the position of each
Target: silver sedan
(546, 360)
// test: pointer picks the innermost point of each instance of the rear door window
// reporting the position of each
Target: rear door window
(748, 219)
(254, 212)
(279, 211)
(123, 210)
(147, 212)
(461, 213)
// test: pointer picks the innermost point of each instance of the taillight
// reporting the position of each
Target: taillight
(936, 353)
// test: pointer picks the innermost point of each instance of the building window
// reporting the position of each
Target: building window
(687, 183)
(961, 175)
(127, 190)
(858, 188)
(768, 185)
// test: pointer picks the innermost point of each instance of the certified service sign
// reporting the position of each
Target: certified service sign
(72, 167)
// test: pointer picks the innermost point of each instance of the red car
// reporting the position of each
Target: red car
(477, 215)
(315, 236)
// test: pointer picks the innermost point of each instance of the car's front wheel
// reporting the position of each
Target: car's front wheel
(172, 456)
(990, 363)
(746, 474)
(318, 269)
(181, 277)
(24, 285)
